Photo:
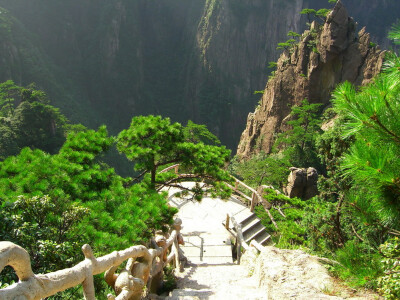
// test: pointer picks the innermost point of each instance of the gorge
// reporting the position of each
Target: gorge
(103, 62)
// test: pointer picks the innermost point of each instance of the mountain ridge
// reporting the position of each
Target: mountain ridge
(198, 60)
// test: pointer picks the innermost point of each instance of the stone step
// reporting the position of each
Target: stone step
(189, 294)
(253, 234)
(252, 227)
(265, 241)
(244, 217)
(206, 248)
(261, 236)
(191, 251)
(252, 230)
(255, 223)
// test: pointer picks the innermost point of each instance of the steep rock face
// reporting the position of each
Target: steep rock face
(235, 40)
(104, 61)
(326, 56)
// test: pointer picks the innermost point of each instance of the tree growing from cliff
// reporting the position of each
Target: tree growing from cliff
(293, 34)
(154, 143)
(309, 12)
(298, 142)
(320, 14)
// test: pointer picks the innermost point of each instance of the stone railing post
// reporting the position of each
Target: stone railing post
(128, 285)
(254, 201)
(88, 284)
(178, 240)
(227, 222)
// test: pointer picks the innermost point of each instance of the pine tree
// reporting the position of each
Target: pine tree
(153, 143)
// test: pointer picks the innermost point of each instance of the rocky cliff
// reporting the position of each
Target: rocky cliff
(105, 61)
(326, 55)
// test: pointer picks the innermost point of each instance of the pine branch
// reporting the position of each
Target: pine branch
(357, 235)
(384, 128)
(136, 179)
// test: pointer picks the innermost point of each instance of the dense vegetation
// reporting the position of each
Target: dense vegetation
(355, 218)
(57, 194)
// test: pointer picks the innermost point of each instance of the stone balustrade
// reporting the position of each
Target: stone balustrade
(128, 285)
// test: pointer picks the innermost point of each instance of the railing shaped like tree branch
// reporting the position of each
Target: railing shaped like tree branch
(144, 266)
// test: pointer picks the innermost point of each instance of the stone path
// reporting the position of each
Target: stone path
(218, 282)
(211, 272)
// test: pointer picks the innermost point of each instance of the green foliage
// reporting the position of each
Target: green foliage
(153, 143)
(262, 169)
(319, 219)
(287, 213)
(196, 133)
(285, 46)
(360, 264)
(27, 120)
(389, 283)
(309, 12)
(169, 280)
(394, 34)
(272, 75)
(331, 147)
(361, 154)
(312, 43)
(293, 34)
(372, 160)
(46, 229)
(70, 198)
(272, 64)
(358, 208)
(322, 13)
(150, 142)
(294, 147)
(298, 143)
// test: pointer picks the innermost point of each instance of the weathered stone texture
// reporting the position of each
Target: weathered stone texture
(303, 72)
(302, 183)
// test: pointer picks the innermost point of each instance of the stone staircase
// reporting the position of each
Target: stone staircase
(217, 282)
(211, 273)
(252, 227)
(207, 248)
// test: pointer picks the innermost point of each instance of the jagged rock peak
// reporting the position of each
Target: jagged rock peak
(325, 56)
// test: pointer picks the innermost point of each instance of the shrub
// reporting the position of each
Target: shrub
(389, 284)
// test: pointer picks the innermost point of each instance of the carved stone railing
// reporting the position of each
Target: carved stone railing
(175, 167)
(128, 285)
(240, 241)
(255, 198)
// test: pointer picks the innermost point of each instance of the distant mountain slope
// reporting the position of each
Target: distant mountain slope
(104, 61)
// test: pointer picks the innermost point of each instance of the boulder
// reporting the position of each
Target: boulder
(302, 183)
